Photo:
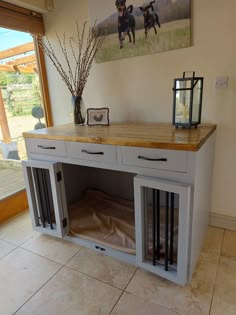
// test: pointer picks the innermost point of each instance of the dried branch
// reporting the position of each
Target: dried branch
(83, 51)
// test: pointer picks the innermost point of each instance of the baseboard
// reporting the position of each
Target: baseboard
(222, 221)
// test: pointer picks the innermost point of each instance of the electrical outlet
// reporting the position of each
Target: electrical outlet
(221, 82)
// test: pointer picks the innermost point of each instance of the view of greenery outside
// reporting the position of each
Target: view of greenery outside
(22, 99)
(20, 92)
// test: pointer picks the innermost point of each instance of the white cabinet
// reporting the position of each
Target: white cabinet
(170, 190)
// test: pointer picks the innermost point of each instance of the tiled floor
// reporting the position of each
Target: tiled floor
(43, 275)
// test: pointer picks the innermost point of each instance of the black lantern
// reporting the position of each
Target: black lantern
(187, 103)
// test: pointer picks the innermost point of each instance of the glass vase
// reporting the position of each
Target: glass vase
(79, 111)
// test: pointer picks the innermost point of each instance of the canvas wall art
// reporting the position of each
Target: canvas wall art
(137, 28)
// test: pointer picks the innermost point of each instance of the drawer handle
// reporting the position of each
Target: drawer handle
(46, 148)
(87, 152)
(149, 159)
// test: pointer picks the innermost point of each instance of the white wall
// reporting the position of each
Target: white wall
(140, 88)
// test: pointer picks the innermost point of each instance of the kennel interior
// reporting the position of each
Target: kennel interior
(100, 206)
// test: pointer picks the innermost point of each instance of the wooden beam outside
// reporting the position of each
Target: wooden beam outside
(27, 69)
(3, 121)
(6, 68)
(22, 60)
(20, 69)
(18, 50)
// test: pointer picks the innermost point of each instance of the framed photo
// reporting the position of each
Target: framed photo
(98, 116)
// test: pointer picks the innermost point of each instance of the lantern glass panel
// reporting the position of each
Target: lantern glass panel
(196, 102)
(182, 105)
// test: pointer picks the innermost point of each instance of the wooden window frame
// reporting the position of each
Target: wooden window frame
(44, 83)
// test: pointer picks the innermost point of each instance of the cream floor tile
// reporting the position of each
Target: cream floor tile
(51, 247)
(22, 273)
(194, 298)
(213, 240)
(5, 248)
(224, 299)
(133, 305)
(229, 245)
(70, 292)
(102, 267)
(17, 230)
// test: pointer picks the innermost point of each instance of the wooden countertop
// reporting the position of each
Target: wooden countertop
(148, 135)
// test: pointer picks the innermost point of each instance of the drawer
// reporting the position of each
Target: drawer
(46, 147)
(170, 160)
(93, 152)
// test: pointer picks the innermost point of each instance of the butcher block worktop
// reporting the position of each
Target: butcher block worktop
(147, 135)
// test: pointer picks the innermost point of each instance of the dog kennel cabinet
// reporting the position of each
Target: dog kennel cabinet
(164, 172)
